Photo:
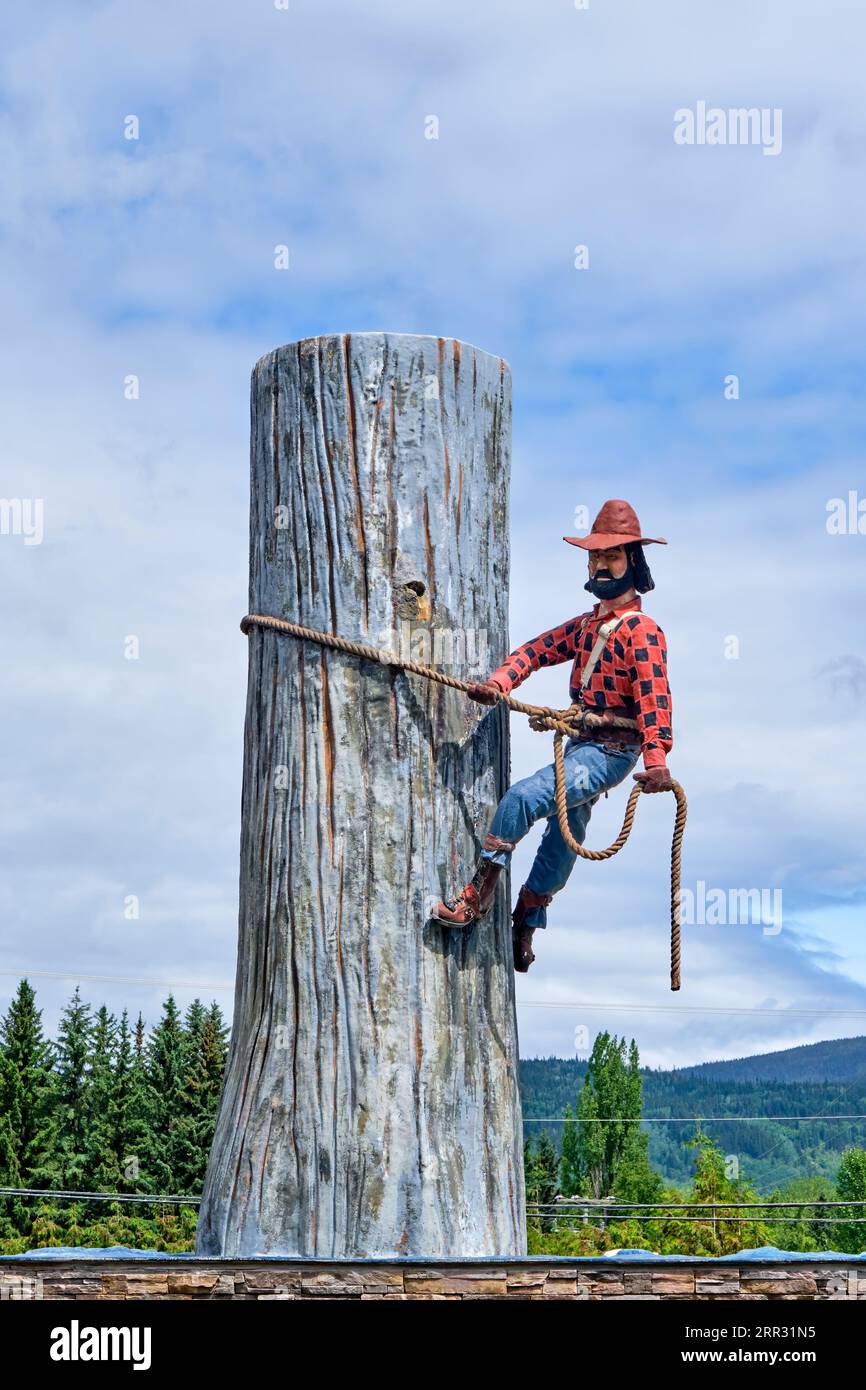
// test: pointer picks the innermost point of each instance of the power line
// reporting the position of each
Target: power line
(204, 985)
(569, 1204)
(689, 1009)
(567, 1207)
(739, 1220)
(118, 979)
(98, 1196)
(709, 1211)
(675, 1119)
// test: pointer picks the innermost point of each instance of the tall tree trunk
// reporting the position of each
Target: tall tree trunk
(371, 1099)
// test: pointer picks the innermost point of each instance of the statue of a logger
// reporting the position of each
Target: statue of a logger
(619, 667)
(370, 1105)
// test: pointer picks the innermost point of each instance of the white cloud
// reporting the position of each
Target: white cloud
(155, 258)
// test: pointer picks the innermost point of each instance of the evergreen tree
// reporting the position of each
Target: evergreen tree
(718, 1231)
(193, 1022)
(122, 1091)
(547, 1177)
(199, 1101)
(569, 1163)
(136, 1114)
(106, 1108)
(12, 1209)
(530, 1170)
(25, 1103)
(102, 1168)
(221, 1034)
(167, 1059)
(63, 1162)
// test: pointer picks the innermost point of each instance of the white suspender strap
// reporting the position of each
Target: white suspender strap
(604, 632)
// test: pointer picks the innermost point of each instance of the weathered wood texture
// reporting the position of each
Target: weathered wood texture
(371, 1099)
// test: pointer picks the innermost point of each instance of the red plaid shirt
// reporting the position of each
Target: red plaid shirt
(630, 678)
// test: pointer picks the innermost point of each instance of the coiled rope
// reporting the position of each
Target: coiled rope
(542, 719)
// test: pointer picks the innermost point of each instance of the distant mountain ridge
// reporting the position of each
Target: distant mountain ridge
(840, 1059)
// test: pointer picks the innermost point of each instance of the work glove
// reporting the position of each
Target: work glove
(657, 779)
(485, 692)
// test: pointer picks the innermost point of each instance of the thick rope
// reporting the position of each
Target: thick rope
(541, 718)
(625, 831)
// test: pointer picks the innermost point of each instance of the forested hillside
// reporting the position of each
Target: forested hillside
(128, 1109)
(775, 1150)
(842, 1059)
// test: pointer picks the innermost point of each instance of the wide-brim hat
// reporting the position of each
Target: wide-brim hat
(616, 524)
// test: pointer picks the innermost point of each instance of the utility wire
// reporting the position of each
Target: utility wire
(206, 985)
(569, 1204)
(709, 1210)
(566, 1207)
(675, 1119)
(689, 1009)
(118, 979)
(96, 1196)
(744, 1221)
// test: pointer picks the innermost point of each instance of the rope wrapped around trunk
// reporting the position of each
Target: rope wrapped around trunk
(542, 719)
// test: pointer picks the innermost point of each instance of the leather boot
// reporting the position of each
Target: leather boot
(521, 934)
(476, 898)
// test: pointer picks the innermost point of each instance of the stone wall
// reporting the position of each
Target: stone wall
(185, 1278)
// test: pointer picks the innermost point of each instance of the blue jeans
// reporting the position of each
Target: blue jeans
(590, 769)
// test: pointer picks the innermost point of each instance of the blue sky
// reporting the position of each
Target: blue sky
(154, 257)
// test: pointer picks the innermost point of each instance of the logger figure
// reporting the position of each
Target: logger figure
(619, 668)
